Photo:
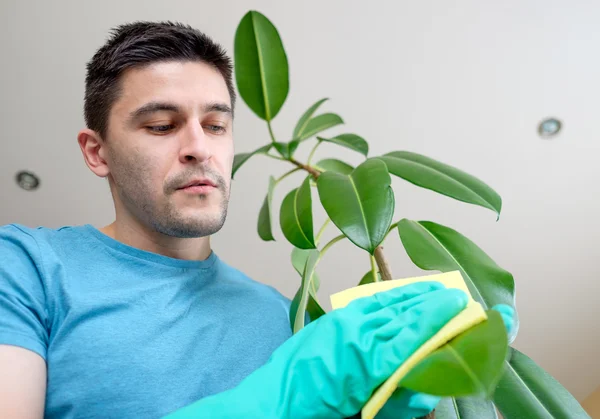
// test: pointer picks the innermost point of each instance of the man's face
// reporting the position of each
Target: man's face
(172, 126)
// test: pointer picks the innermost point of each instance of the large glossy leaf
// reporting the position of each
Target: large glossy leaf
(314, 309)
(334, 165)
(470, 364)
(433, 246)
(360, 204)
(465, 408)
(319, 124)
(304, 291)
(351, 141)
(264, 228)
(442, 178)
(303, 121)
(241, 158)
(528, 391)
(261, 66)
(296, 217)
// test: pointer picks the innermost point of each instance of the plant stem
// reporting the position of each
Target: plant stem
(393, 226)
(322, 230)
(275, 157)
(312, 152)
(286, 174)
(331, 243)
(382, 264)
(373, 269)
(271, 132)
(314, 172)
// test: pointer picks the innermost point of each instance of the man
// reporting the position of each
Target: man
(141, 318)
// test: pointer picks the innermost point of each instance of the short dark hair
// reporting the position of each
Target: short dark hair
(140, 44)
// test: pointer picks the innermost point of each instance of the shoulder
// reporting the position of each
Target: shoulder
(18, 238)
(21, 233)
(255, 286)
(40, 236)
(26, 245)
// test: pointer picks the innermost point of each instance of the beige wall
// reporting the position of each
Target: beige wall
(592, 404)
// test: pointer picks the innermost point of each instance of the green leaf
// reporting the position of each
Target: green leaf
(304, 291)
(433, 246)
(442, 178)
(299, 258)
(470, 364)
(264, 217)
(296, 217)
(318, 124)
(465, 408)
(286, 149)
(351, 141)
(334, 165)
(314, 309)
(527, 391)
(241, 158)
(368, 278)
(292, 146)
(282, 148)
(261, 66)
(360, 204)
(303, 121)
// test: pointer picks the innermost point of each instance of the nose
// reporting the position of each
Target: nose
(195, 144)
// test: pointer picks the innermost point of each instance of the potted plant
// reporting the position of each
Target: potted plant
(359, 201)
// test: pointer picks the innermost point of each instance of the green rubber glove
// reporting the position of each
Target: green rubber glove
(331, 367)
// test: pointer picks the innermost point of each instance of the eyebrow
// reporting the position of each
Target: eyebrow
(152, 107)
(218, 107)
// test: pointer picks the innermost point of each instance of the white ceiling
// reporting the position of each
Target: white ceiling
(463, 82)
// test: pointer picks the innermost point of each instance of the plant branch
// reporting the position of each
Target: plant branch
(312, 152)
(314, 172)
(382, 264)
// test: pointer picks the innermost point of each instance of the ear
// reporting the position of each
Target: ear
(94, 152)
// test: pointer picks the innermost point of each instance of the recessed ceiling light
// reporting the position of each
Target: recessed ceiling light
(27, 180)
(549, 127)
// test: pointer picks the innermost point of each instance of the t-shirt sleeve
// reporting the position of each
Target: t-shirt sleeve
(23, 311)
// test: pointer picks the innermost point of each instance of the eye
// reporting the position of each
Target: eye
(216, 129)
(160, 129)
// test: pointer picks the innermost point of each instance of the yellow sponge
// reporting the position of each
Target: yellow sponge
(472, 315)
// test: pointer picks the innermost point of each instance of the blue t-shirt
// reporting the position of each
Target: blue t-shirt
(128, 333)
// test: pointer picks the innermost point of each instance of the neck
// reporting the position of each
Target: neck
(138, 236)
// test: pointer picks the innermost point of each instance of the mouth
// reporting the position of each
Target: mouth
(201, 186)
